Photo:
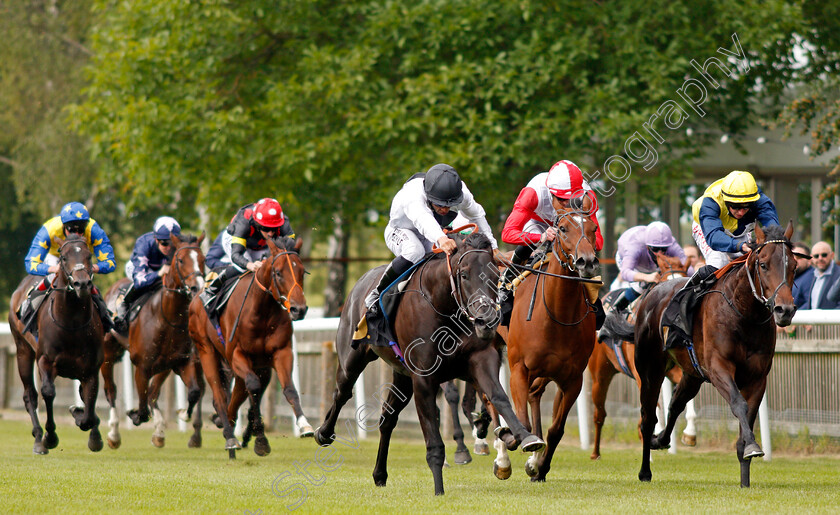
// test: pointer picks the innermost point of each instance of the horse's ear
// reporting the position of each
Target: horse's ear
(58, 241)
(759, 235)
(789, 230)
(175, 240)
(201, 238)
(272, 246)
(298, 244)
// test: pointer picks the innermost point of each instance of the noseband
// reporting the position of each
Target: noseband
(771, 302)
(183, 289)
(457, 290)
(68, 274)
(568, 260)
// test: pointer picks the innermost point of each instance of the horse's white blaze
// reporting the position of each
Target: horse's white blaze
(159, 422)
(502, 459)
(114, 425)
(199, 276)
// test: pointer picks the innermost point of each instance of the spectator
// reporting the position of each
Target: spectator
(803, 274)
(825, 277)
(695, 260)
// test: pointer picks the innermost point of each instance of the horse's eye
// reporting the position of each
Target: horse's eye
(763, 265)
(465, 275)
(562, 229)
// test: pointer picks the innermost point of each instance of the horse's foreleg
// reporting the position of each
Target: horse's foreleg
(399, 393)
(155, 387)
(650, 376)
(110, 388)
(484, 368)
(211, 365)
(141, 383)
(345, 377)
(450, 394)
(283, 361)
(686, 390)
(721, 374)
(48, 374)
(601, 378)
(255, 421)
(26, 363)
(563, 401)
(520, 386)
(425, 400)
(191, 376)
(88, 391)
(689, 435)
(747, 451)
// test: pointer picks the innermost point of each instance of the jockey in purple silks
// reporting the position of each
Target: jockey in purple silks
(636, 258)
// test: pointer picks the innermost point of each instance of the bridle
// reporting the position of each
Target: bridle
(771, 302)
(69, 286)
(281, 299)
(183, 289)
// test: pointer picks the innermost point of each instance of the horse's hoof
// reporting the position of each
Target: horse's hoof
(40, 448)
(135, 417)
(216, 420)
(114, 444)
(182, 415)
(158, 441)
(481, 449)
(532, 443)
(752, 451)
(195, 442)
(307, 432)
(51, 440)
(595, 457)
(530, 469)
(232, 444)
(321, 439)
(501, 472)
(462, 457)
(261, 446)
(538, 479)
(95, 443)
(688, 440)
(231, 454)
(645, 477)
(446, 464)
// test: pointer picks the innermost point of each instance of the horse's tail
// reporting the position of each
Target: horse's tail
(616, 327)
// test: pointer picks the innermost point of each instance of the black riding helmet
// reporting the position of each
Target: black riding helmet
(443, 186)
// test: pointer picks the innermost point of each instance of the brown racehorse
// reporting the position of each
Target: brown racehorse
(556, 342)
(69, 343)
(604, 364)
(734, 335)
(159, 343)
(446, 326)
(257, 329)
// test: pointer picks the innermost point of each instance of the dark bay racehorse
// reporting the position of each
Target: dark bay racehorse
(604, 364)
(159, 343)
(443, 334)
(69, 343)
(557, 340)
(734, 337)
(256, 327)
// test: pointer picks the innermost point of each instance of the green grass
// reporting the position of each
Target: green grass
(140, 478)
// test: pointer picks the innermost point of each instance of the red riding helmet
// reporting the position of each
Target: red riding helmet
(268, 213)
(565, 180)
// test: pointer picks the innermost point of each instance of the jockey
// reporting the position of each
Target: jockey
(724, 219)
(419, 212)
(148, 264)
(215, 257)
(534, 213)
(244, 241)
(636, 258)
(42, 258)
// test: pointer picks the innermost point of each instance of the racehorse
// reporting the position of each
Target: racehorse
(69, 342)
(479, 422)
(734, 339)
(158, 342)
(255, 334)
(604, 363)
(554, 341)
(446, 325)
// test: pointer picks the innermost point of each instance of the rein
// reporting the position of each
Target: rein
(281, 299)
(68, 288)
(182, 290)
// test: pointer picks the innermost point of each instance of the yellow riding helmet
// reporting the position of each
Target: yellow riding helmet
(739, 187)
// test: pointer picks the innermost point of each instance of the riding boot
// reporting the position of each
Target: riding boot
(121, 317)
(396, 268)
(212, 289)
(505, 294)
(99, 302)
(623, 301)
(30, 304)
(700, 276)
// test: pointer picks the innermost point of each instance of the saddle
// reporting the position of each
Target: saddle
(217, 304)
(377, 327)
(138, 304)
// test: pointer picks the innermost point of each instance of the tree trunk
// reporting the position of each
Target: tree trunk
(337, 270)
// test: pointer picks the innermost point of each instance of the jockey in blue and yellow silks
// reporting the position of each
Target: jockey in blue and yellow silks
(42, 258)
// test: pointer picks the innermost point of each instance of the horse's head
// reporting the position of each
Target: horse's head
(770, 268)
(670, 267)
(287, 275)
(187, 263)
(75, 265)
(574, 245)
(475, 276)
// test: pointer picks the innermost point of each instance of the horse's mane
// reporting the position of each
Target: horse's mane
(474, 240)
(73, 237)
(188, 238)
(284, 243)
(773, 232)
